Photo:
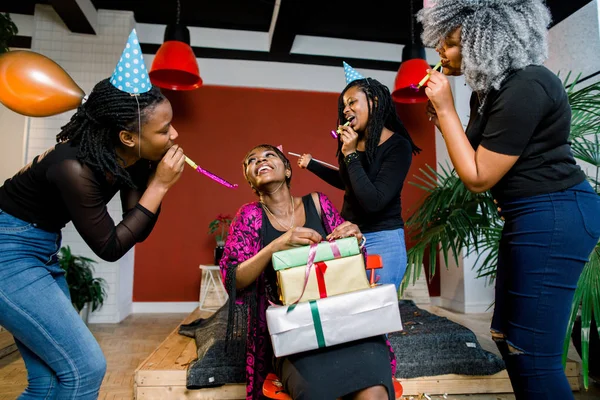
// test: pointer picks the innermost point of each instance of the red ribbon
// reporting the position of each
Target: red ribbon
(320, 269)
(312, 252)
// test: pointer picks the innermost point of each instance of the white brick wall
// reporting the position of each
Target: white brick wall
(88, 59)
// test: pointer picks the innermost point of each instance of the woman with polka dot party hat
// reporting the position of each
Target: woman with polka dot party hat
(120, 139)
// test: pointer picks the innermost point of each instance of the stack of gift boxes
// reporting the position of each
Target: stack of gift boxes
(327, 299)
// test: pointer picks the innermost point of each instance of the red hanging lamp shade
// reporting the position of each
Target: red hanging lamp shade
(175, 66)
(412, 70)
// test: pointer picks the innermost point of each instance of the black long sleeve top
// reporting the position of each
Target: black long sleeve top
(57, 188)
(372, 191)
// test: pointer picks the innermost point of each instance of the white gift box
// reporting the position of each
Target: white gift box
(333, 320)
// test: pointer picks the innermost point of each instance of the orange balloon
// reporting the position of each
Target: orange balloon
(32, 84)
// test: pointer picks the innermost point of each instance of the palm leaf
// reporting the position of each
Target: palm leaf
(585, 143)
(587, 296)
(587, 149)
(487, 255)
(450, 219)
(585, 108)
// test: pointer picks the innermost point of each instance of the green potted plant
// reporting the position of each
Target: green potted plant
(87, 293)
(454, 220)
(8, 29)
(219, 227)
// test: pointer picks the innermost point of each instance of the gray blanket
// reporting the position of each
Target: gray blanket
(430, 345)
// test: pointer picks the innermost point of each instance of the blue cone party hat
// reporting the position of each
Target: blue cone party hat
(351, 73)
(130, 74)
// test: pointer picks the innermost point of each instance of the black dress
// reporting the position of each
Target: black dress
(335, 371)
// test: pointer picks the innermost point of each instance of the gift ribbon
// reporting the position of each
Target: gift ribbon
(314, 310)
(320, 269)
(316, 317)
(312, 252)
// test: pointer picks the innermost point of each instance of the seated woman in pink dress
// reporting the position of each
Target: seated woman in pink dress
(361, 369)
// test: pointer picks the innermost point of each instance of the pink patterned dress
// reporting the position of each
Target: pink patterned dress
(245, 241)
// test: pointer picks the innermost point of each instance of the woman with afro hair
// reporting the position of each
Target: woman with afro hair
(516, 144)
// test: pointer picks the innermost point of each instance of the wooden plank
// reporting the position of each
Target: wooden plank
(175, 347)
(7, 343)
(189, 354)
(227, 392)
(145, 378)
(163, 376)
(174, 384)
(449, 383)
(158, 355)
(571, 370)
(459, 386)
(464, 385)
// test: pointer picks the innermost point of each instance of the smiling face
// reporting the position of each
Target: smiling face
(450, 50)
(356, 108)
(158, 134)
(265, 165)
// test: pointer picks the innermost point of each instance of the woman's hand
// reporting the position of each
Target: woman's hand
(304, 160)
(439, 92)
(432, 114)
(345, 229)
(298, 236)
(349, 139)
(169, 169)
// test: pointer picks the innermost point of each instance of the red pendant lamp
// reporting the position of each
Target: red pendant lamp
(412, 69)
(175, 66)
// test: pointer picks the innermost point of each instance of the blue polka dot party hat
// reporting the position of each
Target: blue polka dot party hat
(351, 73)
(130, 74)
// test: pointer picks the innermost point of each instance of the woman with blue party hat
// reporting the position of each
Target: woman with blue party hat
(119, 140)
(374, 155)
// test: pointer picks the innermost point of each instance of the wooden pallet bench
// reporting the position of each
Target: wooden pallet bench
(162, 376)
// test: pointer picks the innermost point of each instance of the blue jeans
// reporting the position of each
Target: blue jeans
(392, 249)
(546, 241)
(62, 357)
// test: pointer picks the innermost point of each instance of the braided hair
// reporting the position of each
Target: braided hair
(381, 114)
(498, 37)
(96, 125)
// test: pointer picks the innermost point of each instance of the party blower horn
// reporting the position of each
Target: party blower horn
(334, 134)
(210, 174)
(420, 85)
(314, 159)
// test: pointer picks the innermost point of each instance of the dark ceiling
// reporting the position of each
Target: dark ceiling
(379, 20)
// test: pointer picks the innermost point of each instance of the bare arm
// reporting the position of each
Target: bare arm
(510, 125)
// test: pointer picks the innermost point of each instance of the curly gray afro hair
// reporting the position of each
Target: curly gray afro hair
(497, 37)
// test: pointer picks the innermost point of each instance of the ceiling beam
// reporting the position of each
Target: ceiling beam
(80, 16)
(252, 55)
(284, 25)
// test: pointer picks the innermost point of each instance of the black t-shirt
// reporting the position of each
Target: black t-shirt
(372, 191)
(530, 117)
(57, 188)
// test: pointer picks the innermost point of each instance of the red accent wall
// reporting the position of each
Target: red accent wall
(217, 126)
